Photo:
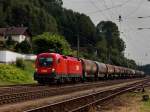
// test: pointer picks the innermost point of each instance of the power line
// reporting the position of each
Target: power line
(92, 2)
(136, 9)
(128, 36)
(130, 29)
(105, 5)
(113, 3)
(139, 35)
(113, 7)
(133, 44)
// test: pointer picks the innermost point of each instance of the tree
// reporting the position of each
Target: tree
(111, 33)
(24, 47)
(2, 17)
(87, 29)
(110, 46)
(26, 13)
(46, 42)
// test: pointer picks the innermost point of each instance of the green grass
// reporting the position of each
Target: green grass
(145, 106)
(29, 67)
(10, 74)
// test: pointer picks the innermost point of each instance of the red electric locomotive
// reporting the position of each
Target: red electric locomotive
(52, 67)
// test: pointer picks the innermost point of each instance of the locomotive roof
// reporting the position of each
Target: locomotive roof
(58, 56)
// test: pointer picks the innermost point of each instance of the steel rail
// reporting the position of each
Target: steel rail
(47, 92)
(29, 87)
(82, 103)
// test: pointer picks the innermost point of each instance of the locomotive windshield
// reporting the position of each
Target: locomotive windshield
(45, 61)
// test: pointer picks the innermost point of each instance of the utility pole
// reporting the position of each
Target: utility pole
(78, 45)
(109, 37)
(127, 60)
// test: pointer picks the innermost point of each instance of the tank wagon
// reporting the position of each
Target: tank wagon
(54, 67)
(101, 70)
(89, 69)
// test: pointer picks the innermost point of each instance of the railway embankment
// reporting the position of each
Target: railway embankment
(10, 74)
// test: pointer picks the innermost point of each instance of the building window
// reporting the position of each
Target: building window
(5, 37)
(9, 38)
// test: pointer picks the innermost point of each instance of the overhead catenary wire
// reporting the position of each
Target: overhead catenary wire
(109, 8)
(142, 43)
(133, 31)
(113, 3)
(93, 3)
(128, 35)
(136, 9)
(105, 5)
(128, 25)
(131, 37)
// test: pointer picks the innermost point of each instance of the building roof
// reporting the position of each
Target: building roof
(13, 31)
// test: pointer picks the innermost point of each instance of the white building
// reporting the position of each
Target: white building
(18, 34)
(9, 56)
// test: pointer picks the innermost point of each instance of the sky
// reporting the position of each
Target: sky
(137, 41)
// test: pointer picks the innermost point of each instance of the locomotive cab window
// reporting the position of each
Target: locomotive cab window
(45, 61)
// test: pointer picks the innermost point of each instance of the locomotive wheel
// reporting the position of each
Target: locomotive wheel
(60, 81)
(41, 82)
(73, 80)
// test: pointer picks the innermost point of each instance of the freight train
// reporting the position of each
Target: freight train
(54, 67)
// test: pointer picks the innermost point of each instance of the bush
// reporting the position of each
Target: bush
(10, 73)
(10, 44)
(20, 63)
(24, 47)
(145, 97)
(47, 42)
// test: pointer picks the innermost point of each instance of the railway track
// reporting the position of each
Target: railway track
(85, 102)
(28, 87)
(30, 93)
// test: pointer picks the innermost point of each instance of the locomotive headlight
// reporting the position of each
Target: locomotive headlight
(36, 69)
(53, 69)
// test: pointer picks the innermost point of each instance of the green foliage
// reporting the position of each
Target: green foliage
(2, 17)
(145, 68)
(23, 47)
(145, 106)
(29, 67)
(47, 41)
(110, 46)
(20, 63)
(10, 44)
(110, 32)
(9, 73)
(27, 13)
(87, 29)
